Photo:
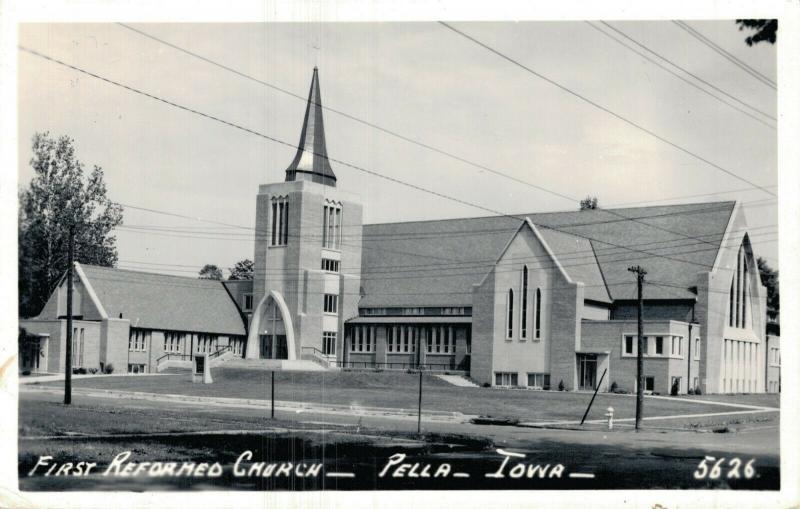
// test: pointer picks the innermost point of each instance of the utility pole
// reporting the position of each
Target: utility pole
(68, 363)
(640, 273)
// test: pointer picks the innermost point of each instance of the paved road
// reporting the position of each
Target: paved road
(618, 459)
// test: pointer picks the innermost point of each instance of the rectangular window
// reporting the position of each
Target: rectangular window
(137, 341)
(629, 345)
(248, 302)
(469, 341)
(645, 341)
(505, 379)
(137, 368)
(538, 380)
(363, 340)
(329, 343)
(696, 349)
(659, 345)
(330, 303)
(329, 265)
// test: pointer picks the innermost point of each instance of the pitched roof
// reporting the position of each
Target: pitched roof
(159, 301)
(312, 155)
(435, 263)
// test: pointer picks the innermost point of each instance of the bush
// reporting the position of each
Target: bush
(561, 385)
(81, 371)
(698, 391)
(691, 392)
(674, 390)
(109, 368)
(93, 371)
(487, 384)
(26, 372)
(613, 387)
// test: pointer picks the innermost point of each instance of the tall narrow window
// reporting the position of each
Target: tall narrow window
(538, 314)
(331, 226)
(280, 222)
(524, 309)
(740, 292)
(510, 305)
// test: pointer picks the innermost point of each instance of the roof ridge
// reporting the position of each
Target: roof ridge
(527, 214)
(148, 273)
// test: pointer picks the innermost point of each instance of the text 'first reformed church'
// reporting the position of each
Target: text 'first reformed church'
(538, 300)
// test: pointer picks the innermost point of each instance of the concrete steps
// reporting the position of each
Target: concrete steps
(458, 380)
(274, 364)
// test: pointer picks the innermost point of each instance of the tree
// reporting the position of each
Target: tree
(589, 203)
(766, 30)
(59, 196)
(242, 270)
(769, 278)
(211, 271)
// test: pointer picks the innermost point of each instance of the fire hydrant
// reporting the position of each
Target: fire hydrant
(610, 415)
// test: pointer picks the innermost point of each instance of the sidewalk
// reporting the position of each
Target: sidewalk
(56, 377)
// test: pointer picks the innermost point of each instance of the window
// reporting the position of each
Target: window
(538, 315)
(696, 349)
(675, 380)
(510, 313)
(505, 379)
(740, 292)
(538, 380)
(645, 341)
(649, 383)
(206, 343)
(329, 265)
(331, 226)
(138, 339)
(440, 339)
(77, 347)
(629, 345)
(330, 303)
(453, 311)
(363, 340)
(248, 302)
(659, 345)
(172, 342)
(676, 345)
(524, 309)
(280, 221)
(137, 368)
(469, 341)
(328, 343)
(696, 383)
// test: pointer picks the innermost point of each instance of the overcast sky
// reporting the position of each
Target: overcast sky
(420, 80)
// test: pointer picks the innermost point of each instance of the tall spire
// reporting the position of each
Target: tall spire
(311, 160)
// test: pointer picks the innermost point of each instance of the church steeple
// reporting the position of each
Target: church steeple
(311, 160)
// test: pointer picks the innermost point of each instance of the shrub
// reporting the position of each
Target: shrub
(93, 370)
(561, 385)
(109, 368)
(698, 391)
(674, 390)
(81, 371)
(691, 392)
(613, 387)
(487, 384)
(26, 372)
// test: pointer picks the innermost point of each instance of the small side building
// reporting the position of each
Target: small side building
(134, 322)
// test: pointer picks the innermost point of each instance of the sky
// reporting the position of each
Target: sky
(419, 80)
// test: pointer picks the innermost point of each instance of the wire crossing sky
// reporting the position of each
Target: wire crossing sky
(471, 105)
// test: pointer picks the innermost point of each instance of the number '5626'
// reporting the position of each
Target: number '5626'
(712, 468)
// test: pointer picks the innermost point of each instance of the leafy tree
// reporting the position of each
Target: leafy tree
(59, 197)
(211, 271)
(766, 30)
(769, 278)
(242, 270)
(589, 203)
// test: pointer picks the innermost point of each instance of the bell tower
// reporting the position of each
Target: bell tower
(307, 258)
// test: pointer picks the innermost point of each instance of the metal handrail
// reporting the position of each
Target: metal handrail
(220, 351)
(181, 356)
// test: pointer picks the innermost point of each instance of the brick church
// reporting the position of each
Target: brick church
(536, 300)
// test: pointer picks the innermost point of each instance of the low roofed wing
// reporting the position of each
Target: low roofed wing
(436, 263)
(159, 301)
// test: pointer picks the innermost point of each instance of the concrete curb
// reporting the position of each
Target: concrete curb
(296, 406)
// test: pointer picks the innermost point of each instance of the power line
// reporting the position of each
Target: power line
(606, 110)
(350, 165)
(690, 83)
(725, 54)
(369, 124)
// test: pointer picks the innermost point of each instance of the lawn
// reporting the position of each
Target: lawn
(398, 390)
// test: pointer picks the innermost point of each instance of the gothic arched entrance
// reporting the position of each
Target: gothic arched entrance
(271, 333)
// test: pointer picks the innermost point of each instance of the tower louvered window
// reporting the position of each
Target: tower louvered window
(739, 295)
(332, 226)
(279, 235)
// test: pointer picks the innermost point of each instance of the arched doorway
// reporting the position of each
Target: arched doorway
(271, 333)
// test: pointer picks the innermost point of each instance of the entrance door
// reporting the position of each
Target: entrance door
(31, 355)
(278, 350)
(587, 371)
(265, 346)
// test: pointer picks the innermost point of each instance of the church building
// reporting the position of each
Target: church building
(533, 300)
